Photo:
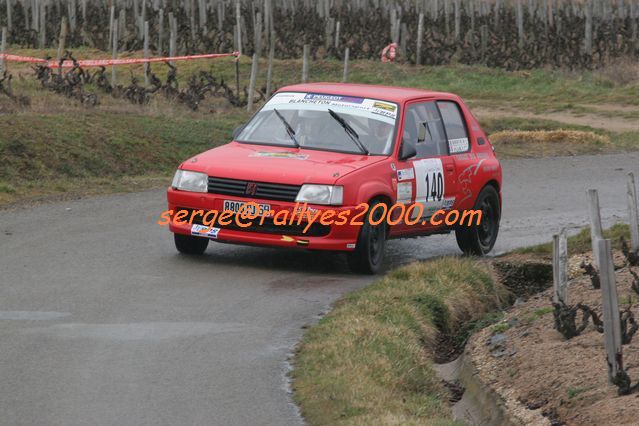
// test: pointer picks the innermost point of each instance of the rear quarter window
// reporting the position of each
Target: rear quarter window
(455, 126)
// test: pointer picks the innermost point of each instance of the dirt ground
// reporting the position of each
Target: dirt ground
(606, 117)
(536, 370)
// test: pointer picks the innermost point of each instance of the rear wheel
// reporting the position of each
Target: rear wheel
(368, 255)
(479, 240)
(188, 244)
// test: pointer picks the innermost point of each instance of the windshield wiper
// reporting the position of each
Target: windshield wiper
(288, 127)
(349, 131)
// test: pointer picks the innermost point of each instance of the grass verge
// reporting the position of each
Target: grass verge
(369, 361)
(515, 137)
(95, 152)
(581, 243)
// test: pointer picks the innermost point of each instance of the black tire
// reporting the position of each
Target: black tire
(187, 244)
(479, 240)
(368, 256)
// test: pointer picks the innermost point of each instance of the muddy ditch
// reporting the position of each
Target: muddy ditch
(472, 401)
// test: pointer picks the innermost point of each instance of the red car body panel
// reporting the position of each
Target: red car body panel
(363, 177)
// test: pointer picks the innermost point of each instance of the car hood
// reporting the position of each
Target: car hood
(277, 164)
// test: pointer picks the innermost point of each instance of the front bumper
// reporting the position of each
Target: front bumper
(330, 237)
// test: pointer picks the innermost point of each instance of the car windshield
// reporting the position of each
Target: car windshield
(313, 126)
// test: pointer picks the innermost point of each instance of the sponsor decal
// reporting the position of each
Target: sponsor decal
(204, 231)
(280, 154)
(458, 145)
(404, 192)
(405, 174)
(448, 203)
(393, 168)
(385, 106)
(369, 108)
(350, 246)
(302, 209)
(466, 178)
(333, 98)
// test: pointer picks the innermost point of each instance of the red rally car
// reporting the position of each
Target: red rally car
(335, 146)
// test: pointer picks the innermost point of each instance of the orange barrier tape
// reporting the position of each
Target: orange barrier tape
(107, 62)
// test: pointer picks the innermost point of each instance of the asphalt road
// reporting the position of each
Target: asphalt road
(102, 322)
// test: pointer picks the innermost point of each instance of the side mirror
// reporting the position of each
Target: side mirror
(237, 131)
(407, 150)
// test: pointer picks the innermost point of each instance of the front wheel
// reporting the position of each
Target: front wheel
(479, 239)
(368, 255)
(188, 244)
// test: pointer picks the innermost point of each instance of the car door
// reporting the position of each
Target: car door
(460, 148)
(426, 182)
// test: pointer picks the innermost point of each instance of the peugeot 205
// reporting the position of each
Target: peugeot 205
(338, 147)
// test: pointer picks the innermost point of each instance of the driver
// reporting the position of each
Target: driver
(380, 133)
(310, 126)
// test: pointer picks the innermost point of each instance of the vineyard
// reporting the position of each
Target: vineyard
(516, 34)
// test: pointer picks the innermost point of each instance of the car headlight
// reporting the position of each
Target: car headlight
(186, 180)
(321, 194)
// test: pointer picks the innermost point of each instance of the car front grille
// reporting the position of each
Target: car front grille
(260, 190)
(267, 226)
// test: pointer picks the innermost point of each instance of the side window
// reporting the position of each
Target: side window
(455, 127)
(423, 127)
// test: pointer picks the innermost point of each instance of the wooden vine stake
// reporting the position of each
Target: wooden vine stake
(114, 55)
(633, 213)
(63, 37)
(347, 54)
(238, 28)
(610, 307)
(3, 49)
(420, 36)
(9, 17)
(147, 67)
(596, 232)
(111, 23)
(172, 36)
(560, 267)
(271, 57)
(305, 60)
(254, 63)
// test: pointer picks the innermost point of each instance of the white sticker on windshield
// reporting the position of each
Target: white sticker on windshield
(458, 145)
(318, 101)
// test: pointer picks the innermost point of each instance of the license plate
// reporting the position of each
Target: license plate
(237, 206)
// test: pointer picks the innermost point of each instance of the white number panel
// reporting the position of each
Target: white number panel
(429, 184)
